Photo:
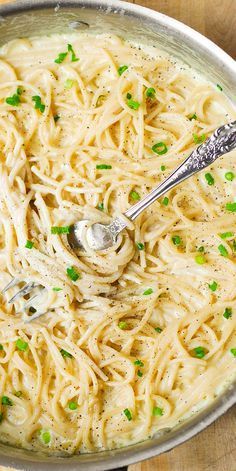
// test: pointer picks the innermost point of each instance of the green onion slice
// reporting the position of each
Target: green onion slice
(6, 401)
(122, 325)
(176, 240)
(73, 55)
(65, 354)
(229, 176)
(128, 414)
(200, 259)
(151, 92)
(148, 291)
(199, 139)
(138, 363)
(231, 207)
(228, 312)
(160, 148)
(122, 69)
(140, 246)
(60, 229)
(38, 103)
(199, 352)
(73, 274)
(223, 251)
(209, 178)
(213, 286)
(157, 411)
(61, 57)
(103, 167)
(22, 345)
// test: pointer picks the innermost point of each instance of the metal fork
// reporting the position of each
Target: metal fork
(102, 236)
(25, 290)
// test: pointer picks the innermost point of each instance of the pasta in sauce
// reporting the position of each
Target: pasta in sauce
(140, 336)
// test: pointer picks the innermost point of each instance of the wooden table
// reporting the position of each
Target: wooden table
(215, 448)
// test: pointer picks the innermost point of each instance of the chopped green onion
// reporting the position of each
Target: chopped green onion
(69, 84)
(138, 363)
(228, 313)
(148, 291)
(176, 240)
(223, 251)
(134, 195)
(56, 117)
(65, 354)
(18, 393)
(134, 105)
(122, 325)
(233, 351)
(150, 92)
(213, 286)
(103, 167)
(100, 206)
(160, 148)
(199, 352)
(45, 437)
(22, 345)
(140, 246)
(165, 201)
(122, 69)
(38, 103)
(226, 235)
(139, 373)
(60, 229)
(128, 414)
(29, 244)
(231, 207)
(192, 116)
(72, 405)
(157, 411)
(200, 259)
(73, 56)
(229, 176)
(209, 178)
(13, 100)
(61, 57)
(163, 167)
(1, 347)
(220, 87)
(6, 401)
(1, 417)
(158, 329)
(201, 249)
(128, 96)
(198, 139)
(72, 274)
(56, 289)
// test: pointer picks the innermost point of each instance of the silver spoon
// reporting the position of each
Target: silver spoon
(102, 236)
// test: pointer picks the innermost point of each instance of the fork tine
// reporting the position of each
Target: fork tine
(22, 292)
(28, 303)
(9, 285)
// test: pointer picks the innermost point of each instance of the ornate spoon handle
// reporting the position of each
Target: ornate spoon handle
(221, 142)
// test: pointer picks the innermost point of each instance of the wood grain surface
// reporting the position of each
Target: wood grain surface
(214, 449)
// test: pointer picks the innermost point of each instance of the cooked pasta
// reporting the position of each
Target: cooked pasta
(125, 342)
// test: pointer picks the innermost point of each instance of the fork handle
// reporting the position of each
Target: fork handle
(221, 142)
